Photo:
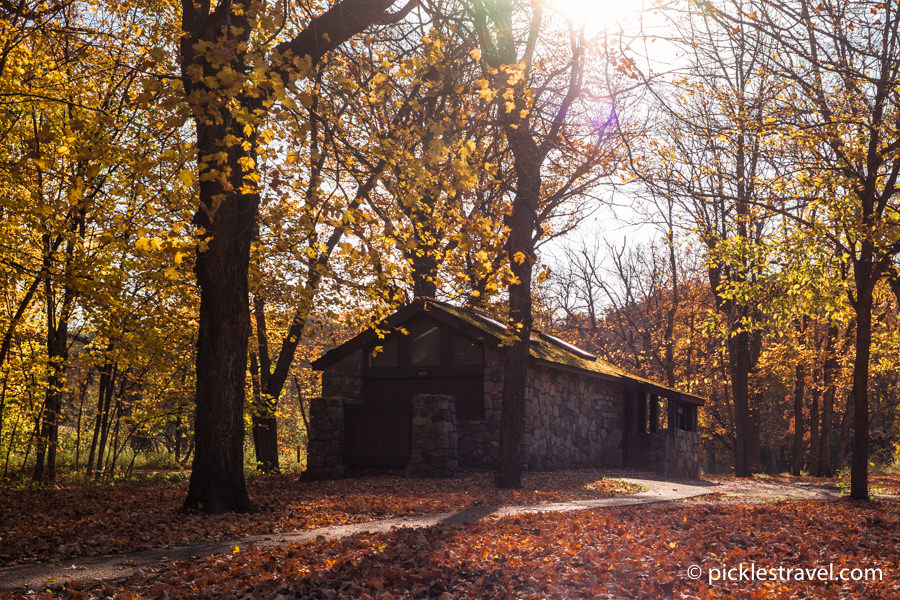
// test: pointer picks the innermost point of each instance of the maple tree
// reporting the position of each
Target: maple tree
(536, 90)
(234, 69)
(839, 59)
(714, 157)
(439, 206)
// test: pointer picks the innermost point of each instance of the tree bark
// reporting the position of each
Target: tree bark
(859, 459)
(425, 269)
(515, 367)
(107, 392)
(102, 407)
(739, 366)
(217, 476)
(263, 414)
(812, 461)
(81, 396)
(825, 466)
(57, 335)
(799, 390)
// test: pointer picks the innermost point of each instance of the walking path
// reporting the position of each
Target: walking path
(102, 568)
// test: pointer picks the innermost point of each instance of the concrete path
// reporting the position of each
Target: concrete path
(102, 568)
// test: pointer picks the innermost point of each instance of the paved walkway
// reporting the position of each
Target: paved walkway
(102, 568)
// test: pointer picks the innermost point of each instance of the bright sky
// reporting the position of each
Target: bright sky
(616, 221)
(599, 14)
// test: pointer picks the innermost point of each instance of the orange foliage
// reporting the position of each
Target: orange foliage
(613, 553)
(39, 524)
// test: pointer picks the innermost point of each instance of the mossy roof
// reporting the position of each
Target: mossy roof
(544, 348)
(550, 349)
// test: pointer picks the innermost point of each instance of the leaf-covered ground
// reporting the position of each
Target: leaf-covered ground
(785, 487)
(642, 552)
(41, 523)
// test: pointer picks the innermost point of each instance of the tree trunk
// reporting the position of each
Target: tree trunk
(521, 260)
(229, 204)
(177, 441)
(98, 419)
(57, 333)
(31, 438)
(425, 269)
(105, 420)
(265, 437)
(217, 476)
(739, 363)
(825, 467)
(113, 453)
(83, 392)
(515, 375)
(12, 439)
(799, 390)
(812, 461)
(2, 406)
(859, 460)
(265, 404)
(20, 311)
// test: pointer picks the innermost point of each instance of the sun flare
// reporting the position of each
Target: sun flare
(598, 13)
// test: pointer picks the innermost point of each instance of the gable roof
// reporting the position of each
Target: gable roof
(545, 349)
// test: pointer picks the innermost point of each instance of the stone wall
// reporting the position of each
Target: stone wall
(325, 445)
(674, 453)
(479, 440)
(434, 441)
(344, 378)
(572, 420)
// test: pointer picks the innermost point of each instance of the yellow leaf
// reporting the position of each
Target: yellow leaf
(247, 163)
(187, 177)
(476, 54)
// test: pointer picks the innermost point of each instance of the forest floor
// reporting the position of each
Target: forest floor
(56, 523)
(619, 551)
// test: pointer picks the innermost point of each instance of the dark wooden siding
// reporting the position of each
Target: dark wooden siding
(377, 433)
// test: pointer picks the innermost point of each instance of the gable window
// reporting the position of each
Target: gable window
(425, 347)
(384, 355)
(466, 352)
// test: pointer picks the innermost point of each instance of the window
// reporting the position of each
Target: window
(467, 352)
(657, 413)
(425, 347)
(687, 415)
(662, 414)
(384, 354)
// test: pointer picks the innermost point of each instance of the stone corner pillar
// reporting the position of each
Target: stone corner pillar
(325, 439)
(433, 450)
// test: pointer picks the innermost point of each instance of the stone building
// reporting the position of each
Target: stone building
(423, 390)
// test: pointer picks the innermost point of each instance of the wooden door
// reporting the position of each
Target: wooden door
(378, 432)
